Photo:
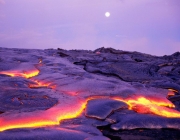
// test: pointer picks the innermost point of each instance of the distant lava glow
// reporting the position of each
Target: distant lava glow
(151, 105)
(25, 74)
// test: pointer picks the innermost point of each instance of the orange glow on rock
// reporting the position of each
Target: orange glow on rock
(40, 61)
(25, 74)
(171, 92)
(69, 110)
(55, 115)
(39, 84)
(32, 122)
(50, 117)
(151, 105)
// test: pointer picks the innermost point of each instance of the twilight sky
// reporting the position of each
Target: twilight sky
(148, 26)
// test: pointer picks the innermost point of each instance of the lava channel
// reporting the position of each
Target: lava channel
(40, 84)
(50, 117)
(24, 74)
(151, 105)
(72, 108)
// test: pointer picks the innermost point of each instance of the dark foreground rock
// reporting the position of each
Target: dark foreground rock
(142, 134)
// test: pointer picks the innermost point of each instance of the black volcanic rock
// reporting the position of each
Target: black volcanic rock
(131, 66)
(25, 100)
(101, 108)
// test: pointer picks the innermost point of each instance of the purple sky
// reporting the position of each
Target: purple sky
(149, 26)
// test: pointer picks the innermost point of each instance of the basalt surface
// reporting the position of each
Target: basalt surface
(88, 95)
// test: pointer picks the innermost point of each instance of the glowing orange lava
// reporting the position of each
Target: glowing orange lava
(151, 105)
(29, 74)
(40, 61)
(25, 74)
(55, 115)
(39, 84)
(50, 117)
(72, 109)
(171, 92)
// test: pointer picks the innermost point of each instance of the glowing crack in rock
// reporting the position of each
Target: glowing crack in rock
(40, 61)
(39, 84)
(171, 92)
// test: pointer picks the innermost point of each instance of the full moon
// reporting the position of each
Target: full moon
(107, 14)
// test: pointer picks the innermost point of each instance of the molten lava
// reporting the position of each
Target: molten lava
(171, 92)
(39, 84)
(149, 100)
(50, 117)
(72, 109)
(151, 105)
(25, 74)
(54, 115)
(40, 61)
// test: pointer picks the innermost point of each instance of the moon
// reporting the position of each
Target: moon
(107, 14)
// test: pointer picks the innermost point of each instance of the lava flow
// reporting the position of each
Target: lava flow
(72, 107)
(171, 92)
(53, 116)
(29, 74)
(151, 105)
(25, 74)
(39, 84)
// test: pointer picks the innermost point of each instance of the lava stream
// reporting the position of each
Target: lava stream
(50, 117)
(39, 84)
(25, 74)
(73, 107)
(151, 105)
